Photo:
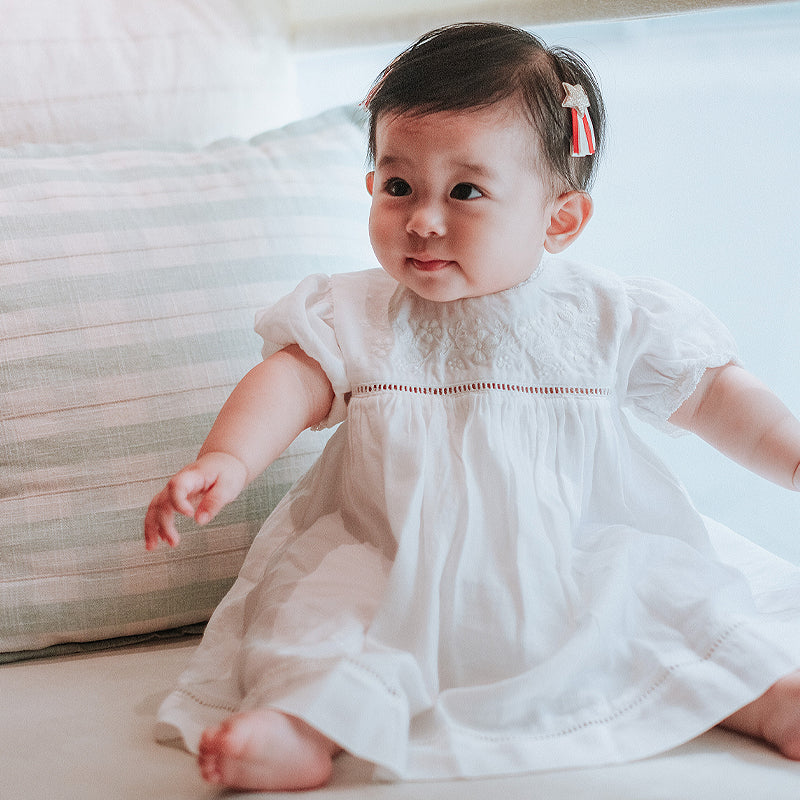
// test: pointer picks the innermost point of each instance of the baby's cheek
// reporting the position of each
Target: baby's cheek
(383, 234)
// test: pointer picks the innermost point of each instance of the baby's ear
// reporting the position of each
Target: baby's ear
(569, 214)
(370, 181)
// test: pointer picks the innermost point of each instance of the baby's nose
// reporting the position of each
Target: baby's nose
(426, 219)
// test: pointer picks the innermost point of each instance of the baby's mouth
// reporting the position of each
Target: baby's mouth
(429, 264)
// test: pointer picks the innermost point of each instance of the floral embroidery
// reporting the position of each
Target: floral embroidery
(488, 333)
(474, 343)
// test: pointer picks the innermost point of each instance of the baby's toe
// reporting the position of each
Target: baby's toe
(210, 756)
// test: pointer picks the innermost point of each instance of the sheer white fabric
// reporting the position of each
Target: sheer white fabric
(487, 572)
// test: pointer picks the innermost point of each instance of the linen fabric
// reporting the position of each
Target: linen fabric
(128, 283)
(487, 572)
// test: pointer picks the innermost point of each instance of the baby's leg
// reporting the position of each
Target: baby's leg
(774, 717)
(265, 750)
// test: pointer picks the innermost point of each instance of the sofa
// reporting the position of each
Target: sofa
(156, 189)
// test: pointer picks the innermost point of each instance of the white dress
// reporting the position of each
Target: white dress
(487, 572)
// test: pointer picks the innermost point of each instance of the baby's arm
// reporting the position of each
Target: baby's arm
(742, 418)
(280, 397)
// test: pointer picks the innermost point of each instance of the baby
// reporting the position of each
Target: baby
(486, 572)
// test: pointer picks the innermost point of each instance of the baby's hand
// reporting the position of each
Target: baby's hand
(199, 490)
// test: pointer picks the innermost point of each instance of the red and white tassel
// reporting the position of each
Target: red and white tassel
(582, 128)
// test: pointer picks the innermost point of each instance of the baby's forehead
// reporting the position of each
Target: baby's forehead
(500, 128)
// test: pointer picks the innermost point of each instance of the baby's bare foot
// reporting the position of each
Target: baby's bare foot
(265, 750)
(774, 717)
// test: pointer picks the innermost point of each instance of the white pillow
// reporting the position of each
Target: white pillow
(129, 281)
(94, 70)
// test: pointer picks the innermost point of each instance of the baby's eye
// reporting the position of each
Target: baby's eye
(397, 187)
(465, 191)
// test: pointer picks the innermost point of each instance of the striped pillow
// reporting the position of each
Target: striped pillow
(128, 285)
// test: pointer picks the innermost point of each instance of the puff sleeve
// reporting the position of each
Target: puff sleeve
(305, 317)
(671, 339)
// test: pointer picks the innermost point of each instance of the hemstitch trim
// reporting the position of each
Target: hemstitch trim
(365, 389)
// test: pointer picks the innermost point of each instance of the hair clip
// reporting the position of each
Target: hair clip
(582, 128)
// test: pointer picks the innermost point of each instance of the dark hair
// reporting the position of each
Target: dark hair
(473, 65)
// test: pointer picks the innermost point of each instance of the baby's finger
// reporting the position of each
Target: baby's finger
(182, 488)
(218, 496)
(159, 524)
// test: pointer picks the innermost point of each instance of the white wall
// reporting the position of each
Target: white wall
(701, 186)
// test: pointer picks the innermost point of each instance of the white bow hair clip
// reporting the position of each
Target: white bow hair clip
(582, 128)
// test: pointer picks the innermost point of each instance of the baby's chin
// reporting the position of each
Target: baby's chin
(444, 281)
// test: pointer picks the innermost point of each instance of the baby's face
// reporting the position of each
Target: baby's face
(458, 207)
